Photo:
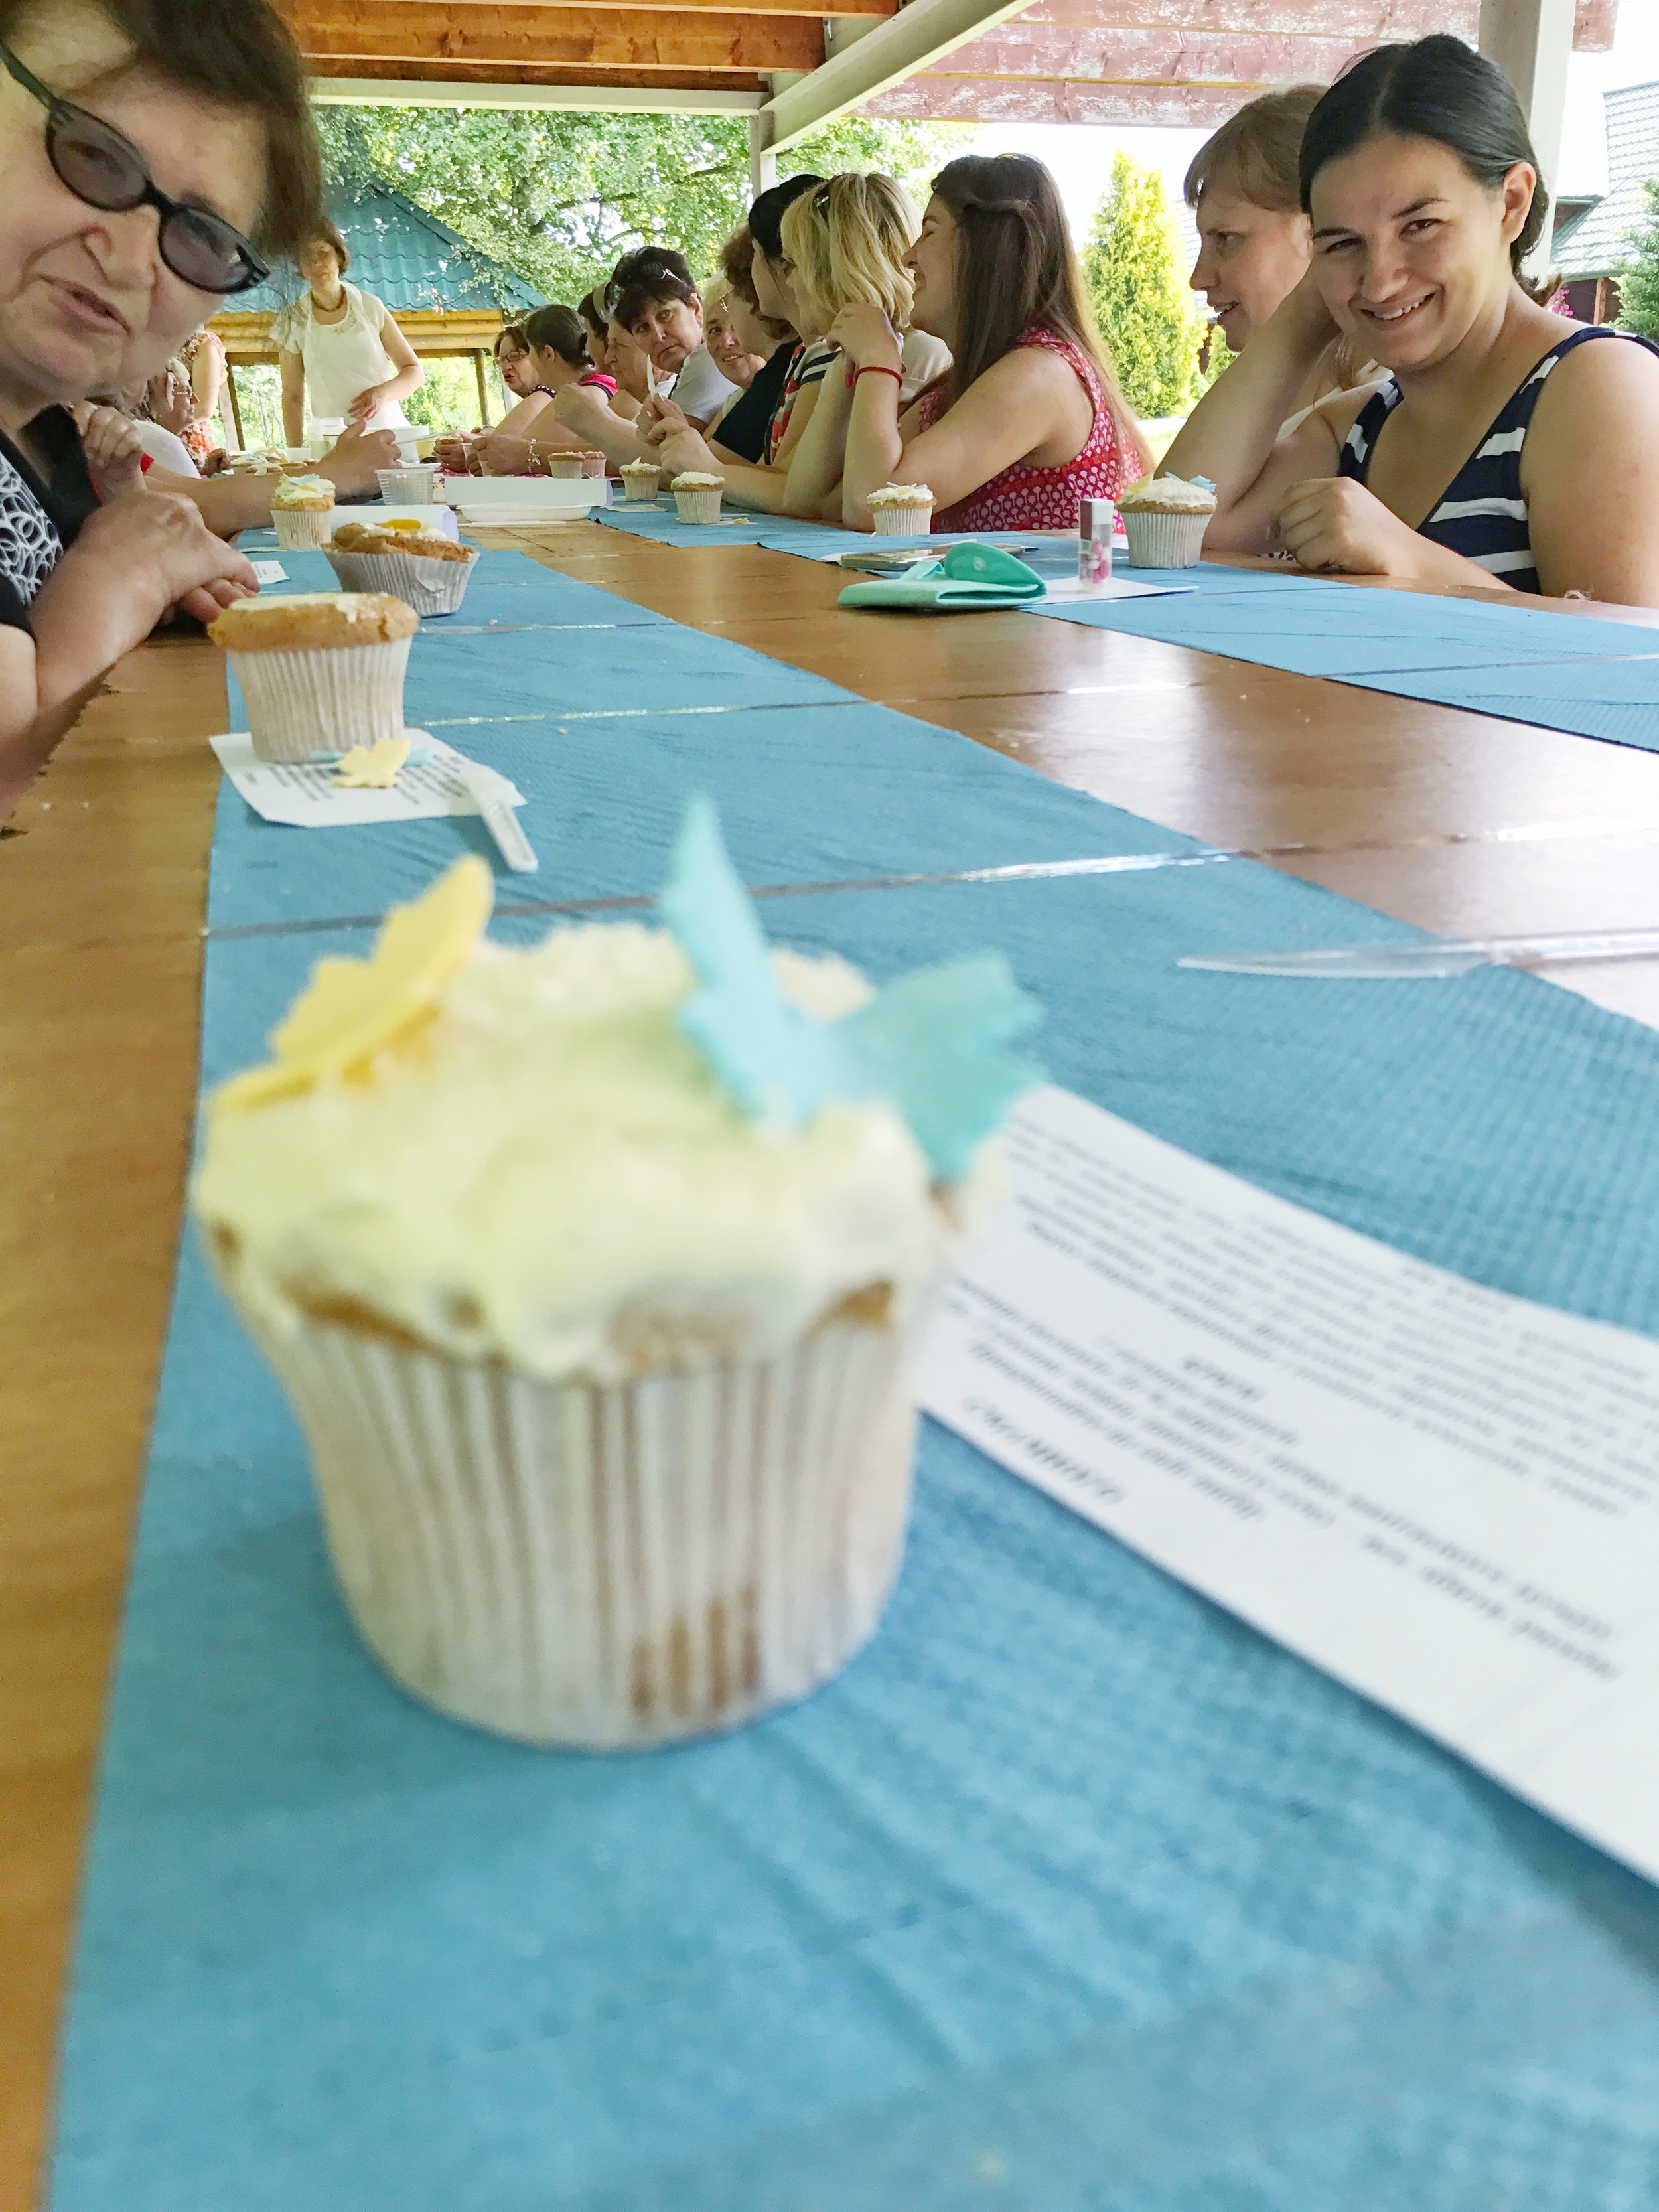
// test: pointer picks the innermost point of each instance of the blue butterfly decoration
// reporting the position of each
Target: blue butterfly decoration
(927, 1043)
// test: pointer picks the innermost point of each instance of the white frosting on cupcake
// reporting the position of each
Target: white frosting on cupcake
(896, 495)
(548, 1173)
(695, 481)
(1168, 495)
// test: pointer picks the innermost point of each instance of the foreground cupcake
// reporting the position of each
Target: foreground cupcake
(698, 496)
(428, 569)
(302, 511)
(319, 672)
(641, 479)
(596, 1272)
(1164, 519)
(902, 510)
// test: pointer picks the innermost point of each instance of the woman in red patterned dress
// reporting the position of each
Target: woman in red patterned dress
(1030, 419)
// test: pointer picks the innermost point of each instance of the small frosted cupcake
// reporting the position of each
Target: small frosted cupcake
(641, 480)
(302, 511)
(428, 569)
(319, 672)
(577, 462)
(902, 510)
(698, 496)
(596, 1272)
(1164, 519)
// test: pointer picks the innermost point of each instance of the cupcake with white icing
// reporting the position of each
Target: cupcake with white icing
(1164, 519)
(302, 511)
(641, 480)
(697, 496)
(595, 1272)
(902, 510)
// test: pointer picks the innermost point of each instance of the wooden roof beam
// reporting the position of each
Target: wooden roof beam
(919, 34)
(582, 92)
(866, 9)
(346, 31)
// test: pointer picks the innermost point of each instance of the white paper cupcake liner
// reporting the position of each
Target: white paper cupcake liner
(698, 505)
(303, 699)
(299, 527)
(640, 487)
(611, 1567)
(902, 521)
(431, 587)
(566, 465)
(1163, 541)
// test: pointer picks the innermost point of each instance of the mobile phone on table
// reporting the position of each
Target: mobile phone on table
(885, 560)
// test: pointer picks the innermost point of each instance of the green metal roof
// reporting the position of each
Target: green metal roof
(407, 257)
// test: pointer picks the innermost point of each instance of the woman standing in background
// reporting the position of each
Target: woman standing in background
(341, 356)
(203, 357)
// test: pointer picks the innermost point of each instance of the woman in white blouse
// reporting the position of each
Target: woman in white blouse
(343, 357)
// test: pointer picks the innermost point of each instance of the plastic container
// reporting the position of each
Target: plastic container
(411, 486)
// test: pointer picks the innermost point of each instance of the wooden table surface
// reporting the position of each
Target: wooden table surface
(1454, 821)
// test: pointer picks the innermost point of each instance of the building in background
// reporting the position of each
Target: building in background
(1592, 235)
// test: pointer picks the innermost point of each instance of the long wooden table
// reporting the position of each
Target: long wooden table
(1454, 821)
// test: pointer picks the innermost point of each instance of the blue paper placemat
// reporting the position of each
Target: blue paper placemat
(1072, 1894)
(662, 521)
(604, 800)
(1595, 679)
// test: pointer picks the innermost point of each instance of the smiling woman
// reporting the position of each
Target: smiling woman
(1502, 451)
(153, 155)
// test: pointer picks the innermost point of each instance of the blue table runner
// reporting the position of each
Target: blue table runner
(1073, 1893)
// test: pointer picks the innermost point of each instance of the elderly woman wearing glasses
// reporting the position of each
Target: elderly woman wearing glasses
(144, 155)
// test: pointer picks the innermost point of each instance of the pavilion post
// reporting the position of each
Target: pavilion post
(484, 390)
(1531, 41)
(235, 407)
(763, 161)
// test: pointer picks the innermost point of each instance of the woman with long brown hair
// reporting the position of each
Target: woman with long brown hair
(1029, 419)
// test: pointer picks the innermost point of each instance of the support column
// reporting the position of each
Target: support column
(763, 161)
(1531, 41)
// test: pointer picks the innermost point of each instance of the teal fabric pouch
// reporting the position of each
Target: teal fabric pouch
(957, 583)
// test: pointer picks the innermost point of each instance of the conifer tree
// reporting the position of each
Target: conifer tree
(1132, 270)
(1638, 280)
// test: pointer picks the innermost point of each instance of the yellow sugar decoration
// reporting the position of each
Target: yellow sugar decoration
(353, 1008)
(372, 768)
(403, 522)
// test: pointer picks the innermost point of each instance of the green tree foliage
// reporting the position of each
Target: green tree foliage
(558, 196)
(1638, 280)
(1132, 270)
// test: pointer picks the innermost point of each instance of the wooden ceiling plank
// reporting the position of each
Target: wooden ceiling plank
(338, 31)
(817, 8)
(744, 89)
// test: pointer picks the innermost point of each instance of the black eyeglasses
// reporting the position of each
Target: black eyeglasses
(107, 171)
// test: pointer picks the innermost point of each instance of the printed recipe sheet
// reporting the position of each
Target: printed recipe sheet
(1444, 1497)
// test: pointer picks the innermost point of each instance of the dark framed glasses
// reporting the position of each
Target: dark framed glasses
(93, 161)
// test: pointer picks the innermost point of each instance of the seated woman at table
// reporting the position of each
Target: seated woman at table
(1502, 451)
(653, 305)
(1254, 242)
(1029, 419)
(100, 286)
(844, 240)
(556, 361)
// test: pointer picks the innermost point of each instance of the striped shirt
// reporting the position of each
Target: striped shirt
(1483, 513)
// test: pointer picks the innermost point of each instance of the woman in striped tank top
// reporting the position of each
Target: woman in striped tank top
(1504, 450)
(1028, 420)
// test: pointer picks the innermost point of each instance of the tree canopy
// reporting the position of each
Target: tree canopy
(558, 196)
(1132, 273)
(1638, 280)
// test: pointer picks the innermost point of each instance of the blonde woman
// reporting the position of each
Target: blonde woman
(845, 243)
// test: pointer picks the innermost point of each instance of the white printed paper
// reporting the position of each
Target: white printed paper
(304, 794)
(271, 572)
(1110, 587)
(1444, 1497)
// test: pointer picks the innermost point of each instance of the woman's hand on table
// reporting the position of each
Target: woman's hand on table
(351, 462)
(113, 454)
(866, 339)
(133, 561)
(454, 454)
(1331, 522)
(660, 419)
(499, 453)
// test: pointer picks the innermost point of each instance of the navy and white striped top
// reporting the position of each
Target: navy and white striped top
(1483, 513)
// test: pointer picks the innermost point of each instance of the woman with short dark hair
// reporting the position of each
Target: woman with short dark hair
(1502, 450)
(343, 357)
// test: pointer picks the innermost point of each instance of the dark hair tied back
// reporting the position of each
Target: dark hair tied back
(1436, 88)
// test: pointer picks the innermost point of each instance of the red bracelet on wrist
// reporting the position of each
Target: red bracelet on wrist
(877, 368)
